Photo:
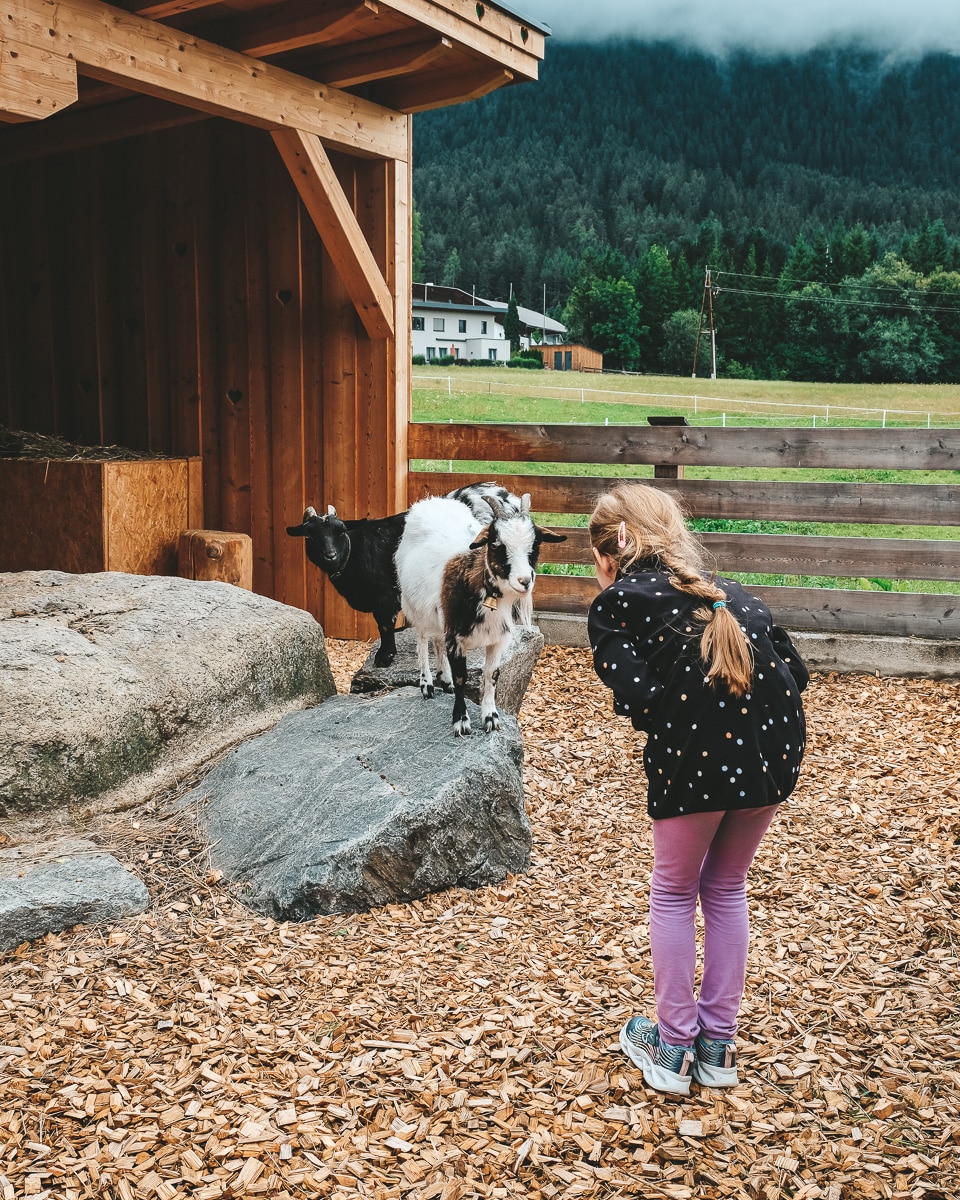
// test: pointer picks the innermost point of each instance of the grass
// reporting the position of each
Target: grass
(484, 395)
(499, 394)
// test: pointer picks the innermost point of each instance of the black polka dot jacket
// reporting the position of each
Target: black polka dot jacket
(706, 750)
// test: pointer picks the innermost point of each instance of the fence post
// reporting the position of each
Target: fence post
(723, 420)
(814, 420)
(883, 424)
(449, 392)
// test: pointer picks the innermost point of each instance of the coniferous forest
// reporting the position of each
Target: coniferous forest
(822, 193)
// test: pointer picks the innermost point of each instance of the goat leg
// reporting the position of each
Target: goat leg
(443, 664)
(488, 700)
(423, 658)
(386, 622)
(458, 665)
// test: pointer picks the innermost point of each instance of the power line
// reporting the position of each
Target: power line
(879, 287)
(799, 298)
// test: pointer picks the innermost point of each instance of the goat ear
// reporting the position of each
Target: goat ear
(331, 511)
(297, 530)
(482, 538)
(548, 535)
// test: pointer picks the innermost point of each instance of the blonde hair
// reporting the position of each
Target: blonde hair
(631, 523)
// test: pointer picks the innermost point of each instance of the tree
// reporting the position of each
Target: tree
(511, 326)
(816, 344)
(416, 254)
(451, 269)
(679, 340)
(605, 314)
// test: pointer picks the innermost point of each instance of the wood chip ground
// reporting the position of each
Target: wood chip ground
(466, 1045)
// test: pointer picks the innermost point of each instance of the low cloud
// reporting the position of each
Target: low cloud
(892, 27)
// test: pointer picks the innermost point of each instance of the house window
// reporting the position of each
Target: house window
(492, 355)
(438, 325)
(462, 326)
(483, 327)
(418, 323)
(431, 352)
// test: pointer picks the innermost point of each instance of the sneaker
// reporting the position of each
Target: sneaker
(666, 1068)
(715, 1063)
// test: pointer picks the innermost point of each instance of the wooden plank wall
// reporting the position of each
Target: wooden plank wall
(170, 294)
(780, 498)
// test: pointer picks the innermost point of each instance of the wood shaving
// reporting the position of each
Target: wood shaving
(466, 1045)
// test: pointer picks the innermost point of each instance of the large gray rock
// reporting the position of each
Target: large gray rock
(516, 669)
(364, 802)
(67, 882)
(114, 686)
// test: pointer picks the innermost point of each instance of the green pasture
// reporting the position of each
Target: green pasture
(478, 395)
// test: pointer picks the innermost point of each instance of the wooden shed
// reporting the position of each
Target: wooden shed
(205, 216)
(571, 357)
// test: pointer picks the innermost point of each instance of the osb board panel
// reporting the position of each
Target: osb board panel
(90, 515)
(146, 506)
(55, 515)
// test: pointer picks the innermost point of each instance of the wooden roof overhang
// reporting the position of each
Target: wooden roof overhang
(317, 74)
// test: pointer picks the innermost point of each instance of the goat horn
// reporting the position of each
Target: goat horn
(493, 503)
(525, 504)
(309, 512)
(331, 511)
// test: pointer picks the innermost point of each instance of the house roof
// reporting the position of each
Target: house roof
(430, 295)
(346, 70)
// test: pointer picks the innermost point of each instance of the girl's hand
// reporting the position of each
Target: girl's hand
(606, 567)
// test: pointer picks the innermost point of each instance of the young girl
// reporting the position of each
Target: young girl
(697, 663)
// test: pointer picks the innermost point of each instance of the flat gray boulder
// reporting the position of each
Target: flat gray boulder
(114, 687)
(516, 669)
(68, 882)
(364, 802)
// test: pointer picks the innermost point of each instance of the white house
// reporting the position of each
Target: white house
(448, 320)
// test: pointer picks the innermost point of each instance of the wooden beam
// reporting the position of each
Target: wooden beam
(497, 36)
(387, 63)
(83, 128)
(118, 47)
(333, 215)
(35, 81)
(302, 25)
(449, 87)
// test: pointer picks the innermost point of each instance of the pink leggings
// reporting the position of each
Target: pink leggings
(705, 854)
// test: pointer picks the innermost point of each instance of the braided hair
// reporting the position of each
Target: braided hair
(633, 523)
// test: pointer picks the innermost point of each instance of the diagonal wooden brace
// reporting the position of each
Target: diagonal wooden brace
(339, 229)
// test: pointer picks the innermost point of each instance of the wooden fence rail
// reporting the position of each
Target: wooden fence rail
(669, 449)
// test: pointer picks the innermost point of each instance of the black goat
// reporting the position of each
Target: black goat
(357, 557)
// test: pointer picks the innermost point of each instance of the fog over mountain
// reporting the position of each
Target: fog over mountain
(892, 27)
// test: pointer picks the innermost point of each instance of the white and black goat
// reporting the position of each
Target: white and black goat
(458, 584)
(475, 497)
(358, 559)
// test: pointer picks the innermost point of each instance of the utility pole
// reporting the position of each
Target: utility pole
(706, 305)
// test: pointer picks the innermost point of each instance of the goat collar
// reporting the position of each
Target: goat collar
(337, 574)
(492, 594)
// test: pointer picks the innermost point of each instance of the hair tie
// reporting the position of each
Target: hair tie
(622, 535)
(719, 604)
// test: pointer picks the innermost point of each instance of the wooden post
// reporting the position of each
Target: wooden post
(211, 554)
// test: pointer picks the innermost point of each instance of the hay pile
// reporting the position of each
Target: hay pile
(465, 1046)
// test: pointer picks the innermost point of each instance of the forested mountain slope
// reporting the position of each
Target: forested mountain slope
(635, 166)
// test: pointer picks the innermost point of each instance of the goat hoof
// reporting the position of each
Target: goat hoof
(448, 688)
(491, 722)
(383, 660)
(426, 691)
(461, 728)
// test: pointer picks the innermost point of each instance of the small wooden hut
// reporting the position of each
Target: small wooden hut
(205, 213)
